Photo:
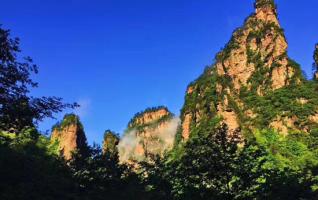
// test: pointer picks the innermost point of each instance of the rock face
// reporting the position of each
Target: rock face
(110, 142)
(150, 132)
(251, 67)
(70, 136)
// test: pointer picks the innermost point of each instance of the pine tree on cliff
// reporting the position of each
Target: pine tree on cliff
(315, 65)
(264, 3)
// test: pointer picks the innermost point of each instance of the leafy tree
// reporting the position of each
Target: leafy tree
(17, 108)
(96, 175)
(291, 163)
(214, 166)
(30, 170)
(100, 176)
(155, 177)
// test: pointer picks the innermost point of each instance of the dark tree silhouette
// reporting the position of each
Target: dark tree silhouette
(17, 108)
(214, 166)
(315, 64)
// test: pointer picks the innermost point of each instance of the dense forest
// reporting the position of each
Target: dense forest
(211, 161)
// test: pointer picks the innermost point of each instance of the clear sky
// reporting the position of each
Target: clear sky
(118, 57)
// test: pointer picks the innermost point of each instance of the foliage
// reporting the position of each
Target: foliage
(216, 165)
(154, 177)
(291, 163)
(263, 3)
(133, 121)
(203, 98)
(283, 102)
(30, 170)
(100, 176)
(287, 151)
(17, 108)
(69, 119)
(213, 166)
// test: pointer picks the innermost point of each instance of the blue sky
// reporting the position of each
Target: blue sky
(118, 57)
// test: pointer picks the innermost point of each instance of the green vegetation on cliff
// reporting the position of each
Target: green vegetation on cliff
(111, 140)
(315, 64)
(68, 120)
(253, 83)
(217, 165)
(139, 124)
(297, 102)
(264, 3)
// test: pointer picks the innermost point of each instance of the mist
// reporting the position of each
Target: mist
(159, 140)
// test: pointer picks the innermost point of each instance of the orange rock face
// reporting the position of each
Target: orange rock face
(71, 138)
(255, 59)
(272, 46)
(186, 127)
(149, 117)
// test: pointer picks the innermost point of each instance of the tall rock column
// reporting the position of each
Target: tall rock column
(70, 136)
(254, 61)
(110, 142)
(150, 132)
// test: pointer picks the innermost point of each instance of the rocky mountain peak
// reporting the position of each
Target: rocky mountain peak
(150, 132)
(266, 10)
(253, 64)
(69, 135)
(256, 51)
(264, 4)
(111, 140)
(148, 116)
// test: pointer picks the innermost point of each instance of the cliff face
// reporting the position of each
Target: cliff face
(251, 69)
(110, 142)
(70, 136)
(150, 132)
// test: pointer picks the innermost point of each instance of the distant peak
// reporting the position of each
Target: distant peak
(149, 115)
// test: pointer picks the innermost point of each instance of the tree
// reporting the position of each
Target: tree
(17, 108)
(315, 65)
(155, 177)
(290, 162)
(30, 170)
(100, 176)
(216, 165)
